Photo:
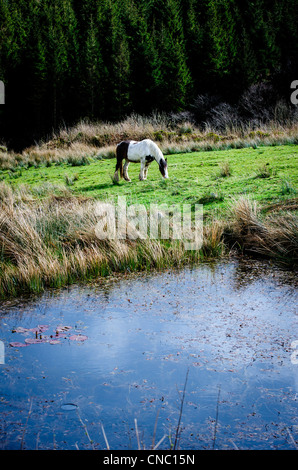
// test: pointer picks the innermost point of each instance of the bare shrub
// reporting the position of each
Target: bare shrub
(258, 102)
(224, 117)
(202, 106)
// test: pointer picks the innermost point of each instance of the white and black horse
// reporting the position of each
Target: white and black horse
(144, 152)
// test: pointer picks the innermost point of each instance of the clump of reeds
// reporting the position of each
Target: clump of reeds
(225, 169)
(274, 235)
(213, 240)
(70, 180)
(52, 242)
(287, 187)
(264, 171)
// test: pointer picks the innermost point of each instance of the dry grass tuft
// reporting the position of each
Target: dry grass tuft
(274, 236)
(97, 140)
(52, 241)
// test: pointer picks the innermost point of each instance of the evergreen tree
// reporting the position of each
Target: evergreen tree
(144, 59)
(119, 99)
(62, 60)
(172, 76)
(93, 78)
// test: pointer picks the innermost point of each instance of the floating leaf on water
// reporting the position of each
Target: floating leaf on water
(34, 340)
(60, 335)
(61, 329)
(38, 329)
(78, 337)
(20, 329)
(42, 328)
(16, 344)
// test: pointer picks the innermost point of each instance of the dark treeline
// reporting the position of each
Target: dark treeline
(63, 60)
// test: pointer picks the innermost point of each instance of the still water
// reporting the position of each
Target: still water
(201, 358)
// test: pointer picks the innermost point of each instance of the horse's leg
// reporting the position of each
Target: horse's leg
(125, 172)
(146, 170)
(119, 167)
(141, 175)
(116, 176)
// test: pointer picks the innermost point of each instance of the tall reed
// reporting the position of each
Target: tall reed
(274, 236)
(53, 242)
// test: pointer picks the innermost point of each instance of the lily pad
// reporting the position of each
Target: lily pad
(42, 328)
(78, 337)
(62, 329)
(60, 335)
(20, 329)
(35, 340)
(54, 341)
(39, 329)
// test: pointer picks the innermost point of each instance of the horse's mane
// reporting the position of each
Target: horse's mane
(154, 149)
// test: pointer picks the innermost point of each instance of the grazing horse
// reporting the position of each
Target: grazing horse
(145, 152)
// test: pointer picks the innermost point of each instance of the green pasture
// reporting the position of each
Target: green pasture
(266, 174)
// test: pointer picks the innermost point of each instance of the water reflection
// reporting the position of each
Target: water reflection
(230, 324)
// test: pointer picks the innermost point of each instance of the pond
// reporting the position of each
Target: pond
(201, 358)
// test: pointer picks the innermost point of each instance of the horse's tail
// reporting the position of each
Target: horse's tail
(119, 166)
(121, 153)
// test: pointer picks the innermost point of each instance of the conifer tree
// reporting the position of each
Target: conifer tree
(119, 63)
(93, 76)
(62, 60)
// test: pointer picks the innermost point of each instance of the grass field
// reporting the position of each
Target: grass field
(47, 215)
(266, 174)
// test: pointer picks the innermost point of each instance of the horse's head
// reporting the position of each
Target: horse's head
(163, 167)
